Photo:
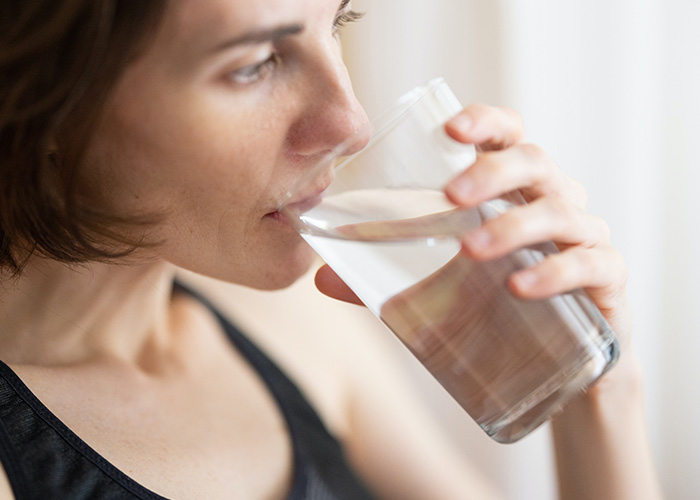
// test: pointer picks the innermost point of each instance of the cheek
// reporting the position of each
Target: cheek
(113, 178)
(139, 163)
(209, 173)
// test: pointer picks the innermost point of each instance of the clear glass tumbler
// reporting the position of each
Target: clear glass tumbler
(380, 219)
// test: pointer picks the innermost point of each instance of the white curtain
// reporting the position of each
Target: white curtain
(609, 89)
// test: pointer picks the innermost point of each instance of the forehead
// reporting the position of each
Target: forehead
(224, 17)
(191, 30)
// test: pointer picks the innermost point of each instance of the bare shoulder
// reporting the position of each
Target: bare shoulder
(354, 373)
(324, 344)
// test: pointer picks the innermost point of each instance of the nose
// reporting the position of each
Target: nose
(330, 114)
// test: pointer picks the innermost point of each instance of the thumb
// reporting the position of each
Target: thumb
(330, 284)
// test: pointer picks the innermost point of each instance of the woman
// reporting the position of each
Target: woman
(140, 136)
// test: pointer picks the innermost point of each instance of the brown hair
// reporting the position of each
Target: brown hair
(59, 59)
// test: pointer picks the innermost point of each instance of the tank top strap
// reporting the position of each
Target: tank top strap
(320, 462)
(45, 460)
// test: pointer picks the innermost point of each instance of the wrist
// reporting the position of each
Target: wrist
(612, 401)
(622, 387)
(601, 441)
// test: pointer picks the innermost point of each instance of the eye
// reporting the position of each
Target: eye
(344, 18)
(254, 72)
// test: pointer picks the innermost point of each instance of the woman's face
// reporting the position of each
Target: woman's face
(225, 109)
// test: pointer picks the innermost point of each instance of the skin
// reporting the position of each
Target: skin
(209, 137)
(600, 438)
(181, 117)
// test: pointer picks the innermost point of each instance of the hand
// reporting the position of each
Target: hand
(600, 437)
(555, 211)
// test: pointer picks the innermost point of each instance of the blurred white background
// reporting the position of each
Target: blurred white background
(609, 89)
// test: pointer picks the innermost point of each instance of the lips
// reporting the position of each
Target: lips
(305, 204)
(297, 208)
(309, 194)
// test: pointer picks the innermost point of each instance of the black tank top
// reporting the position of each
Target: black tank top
(45, 460)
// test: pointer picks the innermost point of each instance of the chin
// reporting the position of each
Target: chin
(273, 264)
(287, 272)
(274, 269)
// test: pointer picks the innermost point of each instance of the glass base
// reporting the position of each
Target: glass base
(524, 418)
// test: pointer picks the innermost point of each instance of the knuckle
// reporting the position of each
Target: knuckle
(578, 193)
(619, 263)
(557, 267)
(612, 288)
(533, 152)
(575, 267)
(513, 115)
(562, 211)
(509, 225)
(540, 163)
(588, 263)
(604, 232)
(490, 168)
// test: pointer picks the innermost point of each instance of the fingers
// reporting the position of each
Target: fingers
(330, 284)
(546, 219)
(587, 261)
(555, 212)
(601, 271)
(490, 128)
(523, 167)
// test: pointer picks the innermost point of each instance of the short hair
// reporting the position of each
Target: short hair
(59, 60)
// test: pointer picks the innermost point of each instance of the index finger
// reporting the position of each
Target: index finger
(488, 127)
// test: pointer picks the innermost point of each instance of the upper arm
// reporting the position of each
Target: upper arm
(396, 444)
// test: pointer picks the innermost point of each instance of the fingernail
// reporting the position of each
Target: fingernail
(477, 239)
(525, 280)
(462, 123)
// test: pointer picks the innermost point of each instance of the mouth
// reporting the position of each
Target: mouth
(304, 204)
(295, 209)
(304, 199)
(277, 217)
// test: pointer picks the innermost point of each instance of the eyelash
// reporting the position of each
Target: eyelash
(345, 18)
(253, 73)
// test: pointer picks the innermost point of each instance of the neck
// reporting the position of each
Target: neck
(54, 314)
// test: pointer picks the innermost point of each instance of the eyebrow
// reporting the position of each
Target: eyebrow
(262, 36)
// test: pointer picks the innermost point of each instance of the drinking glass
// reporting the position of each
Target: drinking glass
(380, 219)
